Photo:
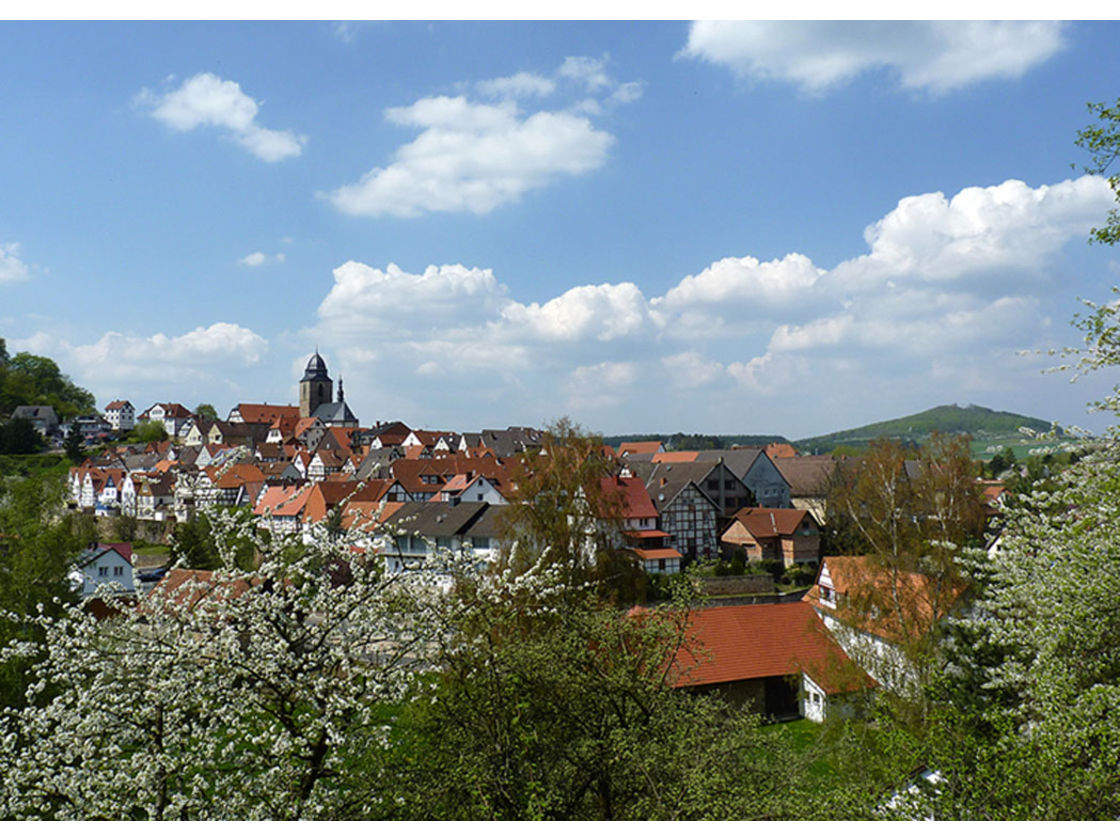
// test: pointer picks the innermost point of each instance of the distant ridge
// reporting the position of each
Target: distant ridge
(979, 422)
(682, 441)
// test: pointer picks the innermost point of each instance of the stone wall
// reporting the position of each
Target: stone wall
(736, 584)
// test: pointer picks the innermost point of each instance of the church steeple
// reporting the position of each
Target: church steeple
(340, 397)
(315, 387)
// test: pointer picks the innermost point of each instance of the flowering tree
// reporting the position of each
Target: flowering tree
(220, 695)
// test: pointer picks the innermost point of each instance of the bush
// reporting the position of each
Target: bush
(800, 575)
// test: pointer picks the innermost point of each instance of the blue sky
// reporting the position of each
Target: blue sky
(772, 228)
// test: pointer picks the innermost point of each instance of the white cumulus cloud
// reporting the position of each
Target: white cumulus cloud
(118, 364)
(946, 283)
(1009, 225)
(207, 100)
(368, 301)
(259, 258)
(472, 157)
(12, 268)
(937, 56)
(516, 86)
(602, 312)
(590, 72)
(745, 278)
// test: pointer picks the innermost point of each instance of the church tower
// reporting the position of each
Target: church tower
(315, 387)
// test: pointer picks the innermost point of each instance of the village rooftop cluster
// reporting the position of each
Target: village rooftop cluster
(298, 467)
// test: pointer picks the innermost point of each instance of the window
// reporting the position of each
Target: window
(118, 571)
(103, 571)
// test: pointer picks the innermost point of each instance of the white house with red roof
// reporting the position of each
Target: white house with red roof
(877, 613)
(121, 415)
(104, 564)
(776, 658)
(173, 416)
(467, 487)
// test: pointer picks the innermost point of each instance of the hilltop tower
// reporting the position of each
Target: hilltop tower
(315, 387)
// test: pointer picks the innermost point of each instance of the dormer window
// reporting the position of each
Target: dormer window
(828, 596)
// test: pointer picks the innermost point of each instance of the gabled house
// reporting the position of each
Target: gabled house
(787, 534)
(777, 659)
(626, 499)
(42, 417)
(752, 466)
(323, 463)
(714, 477)
(466, 487)
(261, 413)
(155, 497)
(684, 511)
(104, 564)
(121, 415)
(425, 530)
(281, 509)
(877, 612)
(173, 416)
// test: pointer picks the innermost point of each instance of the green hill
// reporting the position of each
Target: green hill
(983, 424)
(682, 441)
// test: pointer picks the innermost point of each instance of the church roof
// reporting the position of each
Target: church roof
(316, 369)
(335, 412)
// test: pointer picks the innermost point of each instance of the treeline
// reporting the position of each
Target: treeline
(27, 379)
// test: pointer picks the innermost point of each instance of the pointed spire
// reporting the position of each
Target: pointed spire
(340, 399)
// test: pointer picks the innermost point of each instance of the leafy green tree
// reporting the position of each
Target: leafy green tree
(38, 542)
(75, 445)
(559, 508)
(34, 380)
(207, 411)
(19, 437)
(196, 544)
(549, 704)
(150, 431)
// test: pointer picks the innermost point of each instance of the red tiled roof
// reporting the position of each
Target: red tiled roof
(367, 516)
(780, 450)
(872, 596)
(639, 447)
(235, 476)
(265, 413)
(282, 501)
(187, 587)
(655, 553)
(771, 522)
(646, 534)
(123, 549)
(306, 423)
(674, 457)
(750, 641)
(630, 495)
(116, 404)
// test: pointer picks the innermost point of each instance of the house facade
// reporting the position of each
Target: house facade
(787, 534)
